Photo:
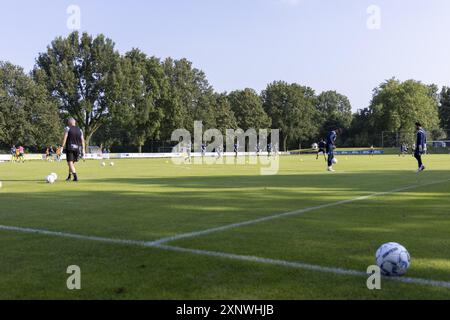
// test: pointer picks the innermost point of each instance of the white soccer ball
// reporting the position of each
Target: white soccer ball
(50, 179)
(393, 259)
(335, 161)
(103, 164)
(54, 175)
(112, 164)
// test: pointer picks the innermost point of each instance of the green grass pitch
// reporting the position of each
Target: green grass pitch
(146, 200)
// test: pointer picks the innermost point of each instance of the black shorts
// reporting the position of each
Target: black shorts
(321, 151)
(72, 156)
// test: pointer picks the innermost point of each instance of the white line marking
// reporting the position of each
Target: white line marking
(287, 214)
(282, 263)
(304, 266)
(71, 235)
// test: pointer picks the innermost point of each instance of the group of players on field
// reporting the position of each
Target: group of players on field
(17, 154)
(270, 150)
(327, 147)
(74, 148)
(52, 154)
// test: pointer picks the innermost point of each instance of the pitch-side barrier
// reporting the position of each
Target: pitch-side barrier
(99, 156)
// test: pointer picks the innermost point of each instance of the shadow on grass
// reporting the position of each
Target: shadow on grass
(194, 203)
(358, 181)
(418, 218)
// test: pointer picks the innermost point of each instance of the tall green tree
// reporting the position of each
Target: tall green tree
(335, 110)
(83, 74)
(396, 106)
(143, 89)
(27, 114)
(361, 132)
(191, 97)
(444, 108)
(225, 118)
(248, 109)
(292, 110)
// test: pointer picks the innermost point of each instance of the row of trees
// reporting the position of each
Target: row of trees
(130, 99)
(395, 108)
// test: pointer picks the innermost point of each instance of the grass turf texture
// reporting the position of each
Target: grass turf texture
(151, 199)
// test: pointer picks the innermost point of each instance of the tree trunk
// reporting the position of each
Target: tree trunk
(87, 141)
(285, 144)
(88, 132)
(140, 149)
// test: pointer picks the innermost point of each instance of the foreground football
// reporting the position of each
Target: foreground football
(393, 259)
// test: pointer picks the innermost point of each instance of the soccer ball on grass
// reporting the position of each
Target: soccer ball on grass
(393, 259)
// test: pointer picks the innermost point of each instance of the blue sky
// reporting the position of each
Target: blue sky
(325, 44)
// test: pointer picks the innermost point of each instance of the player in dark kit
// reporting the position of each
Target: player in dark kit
(403, 150)
(322, 147)
(331, 145)
(13, 154)
(236, 149)
(74, 146)
(420, 146)
(269, 150)
(203, 148)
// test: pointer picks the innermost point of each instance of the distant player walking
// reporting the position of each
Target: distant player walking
(58, 153)
(51, 153)
(420, 146)
(21, 157)
(322, 147)
(403, 149)
(188, 152)
(74, 145)
(203, 147)
(331, 145)
(269, 150)
(13, 154)
(236, 149)
(219, 152)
